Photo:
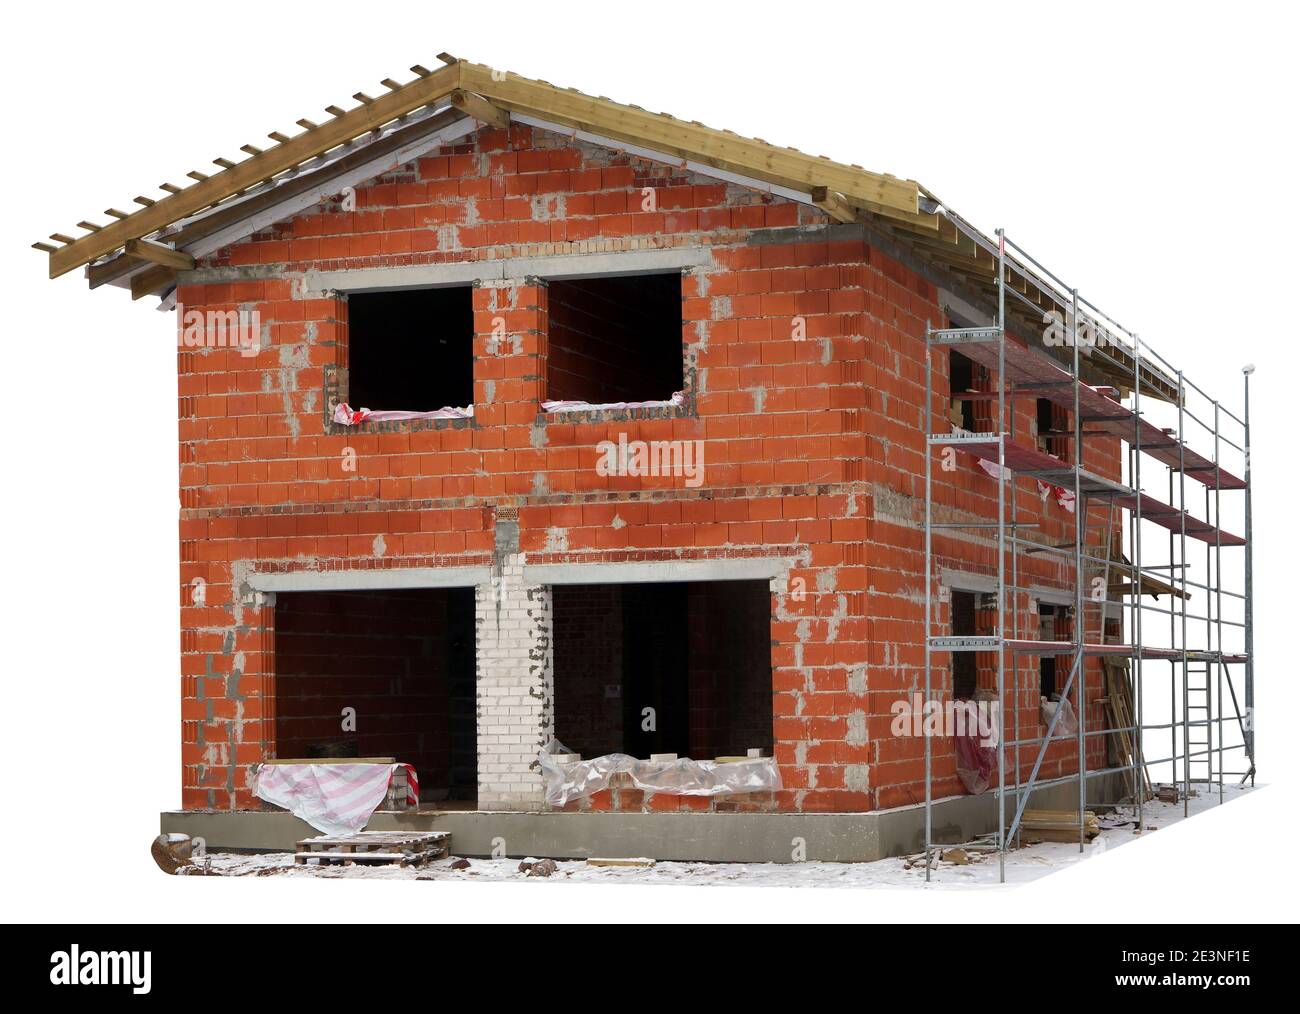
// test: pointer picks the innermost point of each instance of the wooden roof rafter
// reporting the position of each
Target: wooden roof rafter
(900, 209)
(489, 96)
(480, 108)
(343, 161)
(1029, 297)
(235, 177)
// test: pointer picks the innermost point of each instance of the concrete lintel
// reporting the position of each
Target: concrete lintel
(577, 265)
(413, 276)
(657, 571)
(1052, 596)
(623, 262)
(370, 580)
(960, 580)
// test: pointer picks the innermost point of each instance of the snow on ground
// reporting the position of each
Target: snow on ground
(1022, 865)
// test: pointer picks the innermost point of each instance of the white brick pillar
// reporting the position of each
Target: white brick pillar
(516, 712)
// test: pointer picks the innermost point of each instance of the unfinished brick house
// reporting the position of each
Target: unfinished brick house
(557, 411)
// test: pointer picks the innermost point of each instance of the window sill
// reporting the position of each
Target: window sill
(679, 406)
(383, 422)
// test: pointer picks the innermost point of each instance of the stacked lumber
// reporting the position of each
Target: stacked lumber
(1118, 703)
(1058, 825)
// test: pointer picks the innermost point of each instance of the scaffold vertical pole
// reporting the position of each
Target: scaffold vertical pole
(1002, 554)
(1135, 547)
(1079, 623)
(1250, 585)
(1216, 733)
(1182, 558)
(929, 450)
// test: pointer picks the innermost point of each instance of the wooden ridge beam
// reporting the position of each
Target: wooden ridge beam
(421, 92)
(720, 149)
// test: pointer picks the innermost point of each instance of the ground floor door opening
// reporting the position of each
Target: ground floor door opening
(381, 674)
(681, 667)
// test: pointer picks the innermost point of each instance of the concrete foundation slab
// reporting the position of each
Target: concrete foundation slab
(700, 837)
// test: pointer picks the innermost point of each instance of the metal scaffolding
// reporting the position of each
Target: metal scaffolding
(1090, 345)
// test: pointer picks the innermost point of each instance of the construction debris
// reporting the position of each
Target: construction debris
(540, 868)
(974, 851)
(641, 864)
(172, 852)
(1173, 793)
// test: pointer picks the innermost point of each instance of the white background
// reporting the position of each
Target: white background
(1146, 153)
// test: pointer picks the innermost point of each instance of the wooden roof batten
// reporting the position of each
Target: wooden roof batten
(312, 175)
(490, 97)
(285, 155)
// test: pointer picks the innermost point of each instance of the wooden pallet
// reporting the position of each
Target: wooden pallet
(403, 848)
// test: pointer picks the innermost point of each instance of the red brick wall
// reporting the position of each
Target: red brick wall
(813, 447)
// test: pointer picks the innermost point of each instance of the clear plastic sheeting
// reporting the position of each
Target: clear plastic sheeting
(1066, 725)
(566, 782)
(346, 415)
(676, 401)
